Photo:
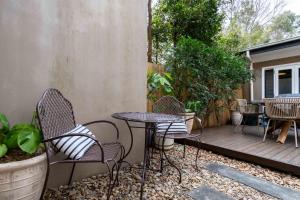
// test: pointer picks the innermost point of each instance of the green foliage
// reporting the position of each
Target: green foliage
(206, 74)
(158, 84)
(4, 123)
(283, 26)
(249, 23)
(195, 106)
(173, 19)
(3, 150)
(27, 137)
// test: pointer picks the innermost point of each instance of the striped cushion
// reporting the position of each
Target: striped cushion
(75, 146)
(176, 128)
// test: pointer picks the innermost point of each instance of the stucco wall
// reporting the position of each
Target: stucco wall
(93, 51)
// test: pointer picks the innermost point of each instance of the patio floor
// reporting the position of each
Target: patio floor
(248, 146)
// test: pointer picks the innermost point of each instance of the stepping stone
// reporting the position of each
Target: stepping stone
(259, 184)
(207, 193)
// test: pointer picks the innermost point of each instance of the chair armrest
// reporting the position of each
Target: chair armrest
(104, 122)
(78, 134)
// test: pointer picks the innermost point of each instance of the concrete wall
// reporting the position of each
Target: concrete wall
(94, 51)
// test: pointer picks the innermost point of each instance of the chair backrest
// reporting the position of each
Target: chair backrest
(283, 108)
(244, 107)
(55, 114)
(168, 105)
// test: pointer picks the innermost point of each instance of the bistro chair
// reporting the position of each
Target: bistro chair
(170, 105)
(247, 110)
(283, 109)
(57, 123)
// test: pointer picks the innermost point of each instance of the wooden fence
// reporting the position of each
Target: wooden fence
(212, 120)
(153, 68)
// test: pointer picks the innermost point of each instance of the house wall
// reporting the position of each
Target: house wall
(257, 68)
(93, 51)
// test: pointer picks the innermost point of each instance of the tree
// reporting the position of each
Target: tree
(206, 74)
(173, 19)
(149, 31)
(284, 26)
(248, 19)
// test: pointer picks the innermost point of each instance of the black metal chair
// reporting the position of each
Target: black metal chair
(56, 117)
(170, 105)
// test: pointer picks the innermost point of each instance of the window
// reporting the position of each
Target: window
(269, 83)
(281, 79)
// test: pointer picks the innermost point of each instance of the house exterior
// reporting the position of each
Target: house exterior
(93, 51)
(276, 67)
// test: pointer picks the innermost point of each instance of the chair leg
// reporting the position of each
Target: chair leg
(109, 184)
(71, 175)
(296, 134)
(243, 124)
(258, 125)
(184, 149)
(266, 131)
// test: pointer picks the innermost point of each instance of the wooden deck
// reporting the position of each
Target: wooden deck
(249, 147)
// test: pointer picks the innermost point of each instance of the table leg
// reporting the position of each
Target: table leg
(146, 159)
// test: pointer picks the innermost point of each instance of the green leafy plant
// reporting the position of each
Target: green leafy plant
(26, 137)
(194, 106)
(159, 85)
(206, 75)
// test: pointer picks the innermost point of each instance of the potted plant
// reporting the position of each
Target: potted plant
(192, 109)
(22, 161)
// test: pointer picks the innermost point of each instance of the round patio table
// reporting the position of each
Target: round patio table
(149, 119)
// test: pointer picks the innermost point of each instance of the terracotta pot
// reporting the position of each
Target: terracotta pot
(23, 179)
(189, 123)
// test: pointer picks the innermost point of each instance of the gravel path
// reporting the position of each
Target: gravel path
(166, 186)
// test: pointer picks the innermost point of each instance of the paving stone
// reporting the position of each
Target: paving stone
(255, 182)
(207, 193)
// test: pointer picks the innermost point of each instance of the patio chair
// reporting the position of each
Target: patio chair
(56, 118)
(247, 110)
(170, 105)
(283, 109)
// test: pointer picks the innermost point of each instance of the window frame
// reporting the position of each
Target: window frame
(295, 77)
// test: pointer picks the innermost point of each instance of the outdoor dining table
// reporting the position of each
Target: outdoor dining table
(149, 120)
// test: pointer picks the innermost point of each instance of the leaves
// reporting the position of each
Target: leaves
(29, 139)
(11, 139)
(4, 123)
(159, 84)
(205, 74)
(3, 150)
(173, 19)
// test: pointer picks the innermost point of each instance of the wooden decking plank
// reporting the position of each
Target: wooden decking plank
(292, 158)
(249, 147)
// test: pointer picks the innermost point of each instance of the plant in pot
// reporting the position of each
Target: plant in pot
(22, 161)
(158, 84)
(192, 110)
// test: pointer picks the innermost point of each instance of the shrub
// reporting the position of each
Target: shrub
(206, 74)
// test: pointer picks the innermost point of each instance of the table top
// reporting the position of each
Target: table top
(146, 117)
